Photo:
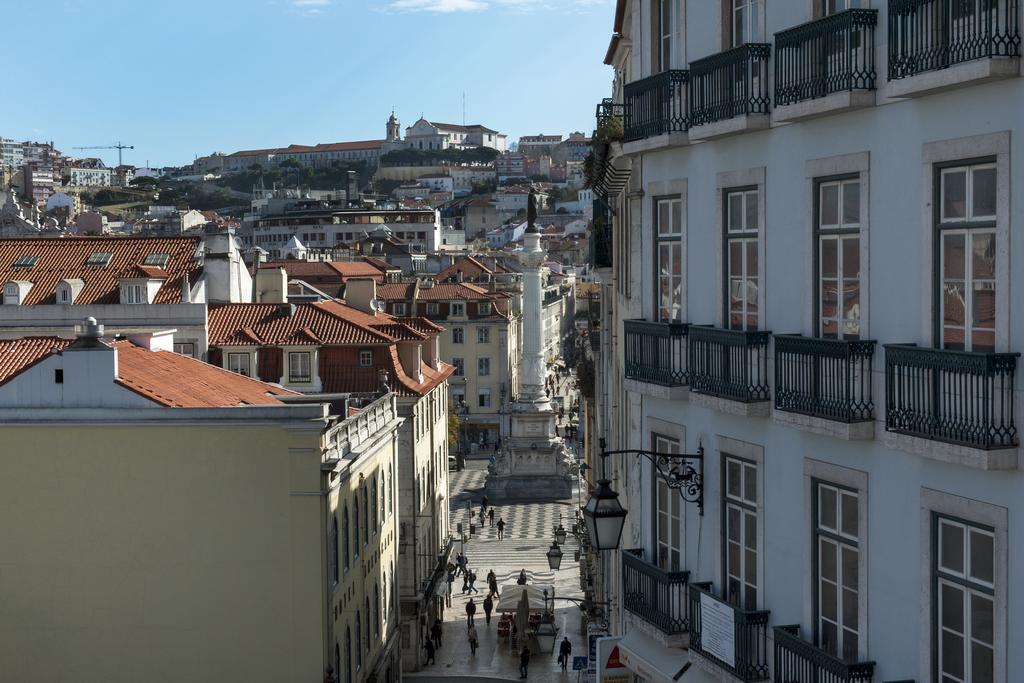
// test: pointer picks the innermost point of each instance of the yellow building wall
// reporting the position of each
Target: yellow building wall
(161, 553)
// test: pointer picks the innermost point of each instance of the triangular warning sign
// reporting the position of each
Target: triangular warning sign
(613, 660)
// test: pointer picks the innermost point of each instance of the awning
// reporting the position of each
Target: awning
(656, 663)
(512, 593)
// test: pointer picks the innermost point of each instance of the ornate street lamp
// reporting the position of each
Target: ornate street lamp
(546, 634)
(560, 534)
(605, 516)
(554, 556)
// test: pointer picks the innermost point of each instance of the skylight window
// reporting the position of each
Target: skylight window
(157, 260)
(99, 258)
(26, 261)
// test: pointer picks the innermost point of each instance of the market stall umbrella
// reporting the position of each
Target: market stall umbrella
(511, 595)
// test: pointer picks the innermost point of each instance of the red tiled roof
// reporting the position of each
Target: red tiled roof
(17, 355)
(163, 377)
(60, 258)
(345, 146)
(328, 271)
(177, 381)
(441, 291)
(469, 266)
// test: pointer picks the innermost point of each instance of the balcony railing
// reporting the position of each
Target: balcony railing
(925, 35)
(730, 84)
(797, 661)
(656, 352)
(730, 364)
(658, 596)
(606, 111)
(735, 639)
(832, 54)
(656, 105)
(957, 397)
(601, 234)
(828, 378)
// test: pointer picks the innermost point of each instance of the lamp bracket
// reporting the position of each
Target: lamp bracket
(683, 472)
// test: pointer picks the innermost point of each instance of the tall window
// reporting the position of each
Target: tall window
(366, 516)
(355, 524)
(747, 22)
(359, 639)
(964, 587)
(369, 622)
(239, 362)
(332, 551)
(665, 22)
(390, 482)
(740, 532)
(483, 366)
(457, 335)
(383, 500)
(967, 253)
(741, 235)
(668, 513)
(348, 655)
(668, 232)
(837, 624)
(373, 502)
(377, 608)
(483, 335)
(345, 551)
(838, 263)
(484, 398)
(460, 366)
(298, 367)
(458, 309)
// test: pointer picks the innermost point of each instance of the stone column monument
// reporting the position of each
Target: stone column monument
(533, 463)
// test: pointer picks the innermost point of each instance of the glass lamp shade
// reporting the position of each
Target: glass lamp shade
(554, 556)
(546, 635)
(560, 535)
(604, 517)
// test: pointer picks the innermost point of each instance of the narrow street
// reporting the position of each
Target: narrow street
(528, 535)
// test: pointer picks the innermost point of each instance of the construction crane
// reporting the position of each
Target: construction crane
(118, 147)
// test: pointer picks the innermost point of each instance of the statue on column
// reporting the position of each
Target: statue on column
(531, 211)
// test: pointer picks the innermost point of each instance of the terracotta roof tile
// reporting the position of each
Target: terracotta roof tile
(60, 258)
(163, 377)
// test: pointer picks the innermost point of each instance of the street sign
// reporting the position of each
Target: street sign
(579, 663)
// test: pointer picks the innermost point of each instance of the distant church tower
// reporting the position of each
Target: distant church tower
(393, 128)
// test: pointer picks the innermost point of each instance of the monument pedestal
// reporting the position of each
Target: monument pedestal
(533, 464)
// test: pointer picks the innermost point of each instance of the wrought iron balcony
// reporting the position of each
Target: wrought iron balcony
(828, 378)
(729, 84)
(832, 54)
(656, 105)
(957, 397)
(731, 364)
(656, 352)
(658, 596)
(925, 35)
(797, 661)
(734, 639)
(601, 234)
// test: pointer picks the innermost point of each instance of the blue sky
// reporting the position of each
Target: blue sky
(181, 78)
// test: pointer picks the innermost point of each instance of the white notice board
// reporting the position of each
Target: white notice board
(718, 630)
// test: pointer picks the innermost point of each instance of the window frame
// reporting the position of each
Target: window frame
(841, 233)
(969, 228)
(460, 366)
(432, 308)
(398, 309)
(483, 335)
(742, 236)
(366, 358)
(236, 355)
(460, 337)
(669, 238)
(483, 366)
(134, 293)
(965, 583)
(483, 308)
(457, 309)
(840, 539)
(745, 507)
(482, 393)
(299, 378)
(674, 511)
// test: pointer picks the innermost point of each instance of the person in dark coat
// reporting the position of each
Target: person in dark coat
(435, 633)
(429, 647)
(488, 606)
(490, 516)
(564, 652)
(524, 660)
(501, 528)
(470, 610)
(522, 577)
(492, 583)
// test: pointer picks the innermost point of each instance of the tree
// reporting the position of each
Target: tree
(453, 426)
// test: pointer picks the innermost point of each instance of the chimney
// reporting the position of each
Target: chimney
(361, 294)
(186, 290)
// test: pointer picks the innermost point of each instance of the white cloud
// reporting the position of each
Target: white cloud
(480, 5)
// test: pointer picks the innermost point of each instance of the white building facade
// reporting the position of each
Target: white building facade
(820, 295)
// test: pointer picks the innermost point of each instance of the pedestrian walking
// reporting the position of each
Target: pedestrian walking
(524, 661)
(492, 583)
(473, 642)
(483, 505)
(522, 577)
(470, 610)
(429, 647)
(465, 583)
(564, 652)
(490, 516)
(435, 633)
(472, 583)
(488, 606)
(501, 528)
(483, 514)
